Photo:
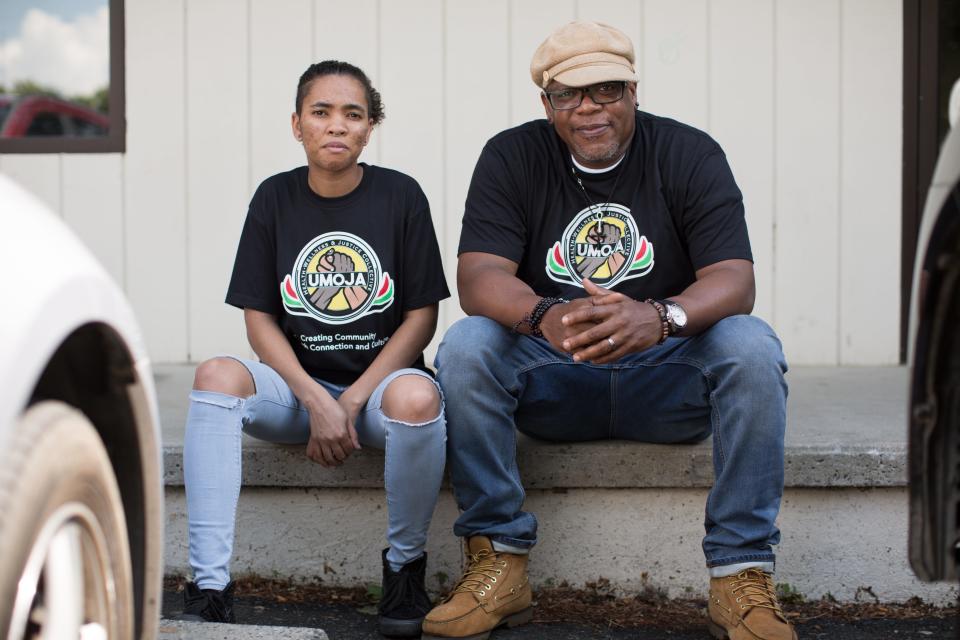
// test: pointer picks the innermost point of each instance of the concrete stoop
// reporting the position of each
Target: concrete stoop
(178, 630)
(625, 512)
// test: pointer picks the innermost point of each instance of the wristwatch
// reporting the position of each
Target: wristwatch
(676, 316)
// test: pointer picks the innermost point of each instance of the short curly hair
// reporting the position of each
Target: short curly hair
(337, 68)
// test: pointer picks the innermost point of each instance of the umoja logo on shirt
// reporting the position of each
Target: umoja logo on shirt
(601, 243)
(336, 279)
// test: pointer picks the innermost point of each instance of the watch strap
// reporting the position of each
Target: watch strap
(670, 323)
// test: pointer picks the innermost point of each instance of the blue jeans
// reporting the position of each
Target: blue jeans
(415, 455)
(728, 381)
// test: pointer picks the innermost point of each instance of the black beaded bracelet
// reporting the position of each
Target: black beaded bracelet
(539, 311)
(533, 318)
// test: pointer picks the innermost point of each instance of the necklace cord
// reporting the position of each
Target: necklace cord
(593, 206)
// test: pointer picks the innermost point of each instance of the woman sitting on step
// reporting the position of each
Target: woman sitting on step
(339, 276)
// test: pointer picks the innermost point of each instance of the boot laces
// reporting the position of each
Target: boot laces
(754, 588)
(482, 569)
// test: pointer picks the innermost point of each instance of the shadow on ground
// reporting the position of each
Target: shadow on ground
(347, 614)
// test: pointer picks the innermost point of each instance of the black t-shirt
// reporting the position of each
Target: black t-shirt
(338, 273)
(643, 228)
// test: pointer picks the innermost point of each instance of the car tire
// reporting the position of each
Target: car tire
(65, 566)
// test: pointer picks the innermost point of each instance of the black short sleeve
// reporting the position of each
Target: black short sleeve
(713, 221)
(642, 227)
(493, 219)
(423, 279)
(338, 273)
(253, 282)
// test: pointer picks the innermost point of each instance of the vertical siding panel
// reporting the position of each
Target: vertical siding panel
(411, 138)
(741, 118)
(675, 60)
(349, 31)
(807, 161)
(155, 212)
(834, 182)
(218, 169)
(93, 205)
(477, 56)
(528, 29)
(275, 69)
(37, 173)
(280, 50)
(871, 99)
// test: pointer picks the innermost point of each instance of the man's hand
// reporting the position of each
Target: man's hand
(332, 434)
(631, 325)
(555, 331)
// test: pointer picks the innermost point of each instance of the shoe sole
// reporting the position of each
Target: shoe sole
(190, 617)
(397, 628)
(720, 633)
(514, 620)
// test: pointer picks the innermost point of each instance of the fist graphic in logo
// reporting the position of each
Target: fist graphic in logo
(602, 248)
(336, 278)
(334, 261)
(601, 243)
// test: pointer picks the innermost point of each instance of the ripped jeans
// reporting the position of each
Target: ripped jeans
(413, 466)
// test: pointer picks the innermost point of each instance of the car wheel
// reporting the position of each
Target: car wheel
(65, 566)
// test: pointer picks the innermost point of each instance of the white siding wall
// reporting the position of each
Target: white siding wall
(804, 96)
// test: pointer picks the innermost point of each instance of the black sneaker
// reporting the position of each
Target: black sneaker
(207, 605)
(404, 602)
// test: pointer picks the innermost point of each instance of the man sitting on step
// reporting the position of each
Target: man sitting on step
(606, 271)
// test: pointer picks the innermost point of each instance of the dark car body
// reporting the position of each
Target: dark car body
(934, 411)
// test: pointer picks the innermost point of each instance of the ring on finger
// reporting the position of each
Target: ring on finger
(611, 343)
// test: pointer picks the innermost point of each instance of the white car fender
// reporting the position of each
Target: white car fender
(55, 290)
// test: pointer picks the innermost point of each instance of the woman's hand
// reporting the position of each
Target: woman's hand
(332, 434)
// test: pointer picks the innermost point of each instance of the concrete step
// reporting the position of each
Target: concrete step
(846, 428)
(177, 630)
(631, 513)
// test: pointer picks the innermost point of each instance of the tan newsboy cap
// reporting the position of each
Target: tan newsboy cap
(581, 53)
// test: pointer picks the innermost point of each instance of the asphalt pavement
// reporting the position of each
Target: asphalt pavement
(265, 620)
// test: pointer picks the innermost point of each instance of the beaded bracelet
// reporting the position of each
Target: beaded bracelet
(664, 323)
(533, 318)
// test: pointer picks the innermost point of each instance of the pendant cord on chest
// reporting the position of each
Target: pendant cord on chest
(593, 206)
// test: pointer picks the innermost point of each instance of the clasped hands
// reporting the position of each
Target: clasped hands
(333, 436)
(602, 327)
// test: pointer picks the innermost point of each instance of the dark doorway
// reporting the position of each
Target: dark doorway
(931, 64)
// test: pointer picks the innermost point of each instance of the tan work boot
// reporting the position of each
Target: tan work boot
(744, 606)
(493, 592)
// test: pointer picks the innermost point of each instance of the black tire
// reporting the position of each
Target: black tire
(66, 557)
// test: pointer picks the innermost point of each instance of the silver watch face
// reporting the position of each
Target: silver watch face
(676, 315)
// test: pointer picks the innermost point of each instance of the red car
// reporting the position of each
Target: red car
(47, 116)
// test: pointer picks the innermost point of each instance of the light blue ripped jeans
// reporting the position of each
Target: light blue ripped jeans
(413, 467)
